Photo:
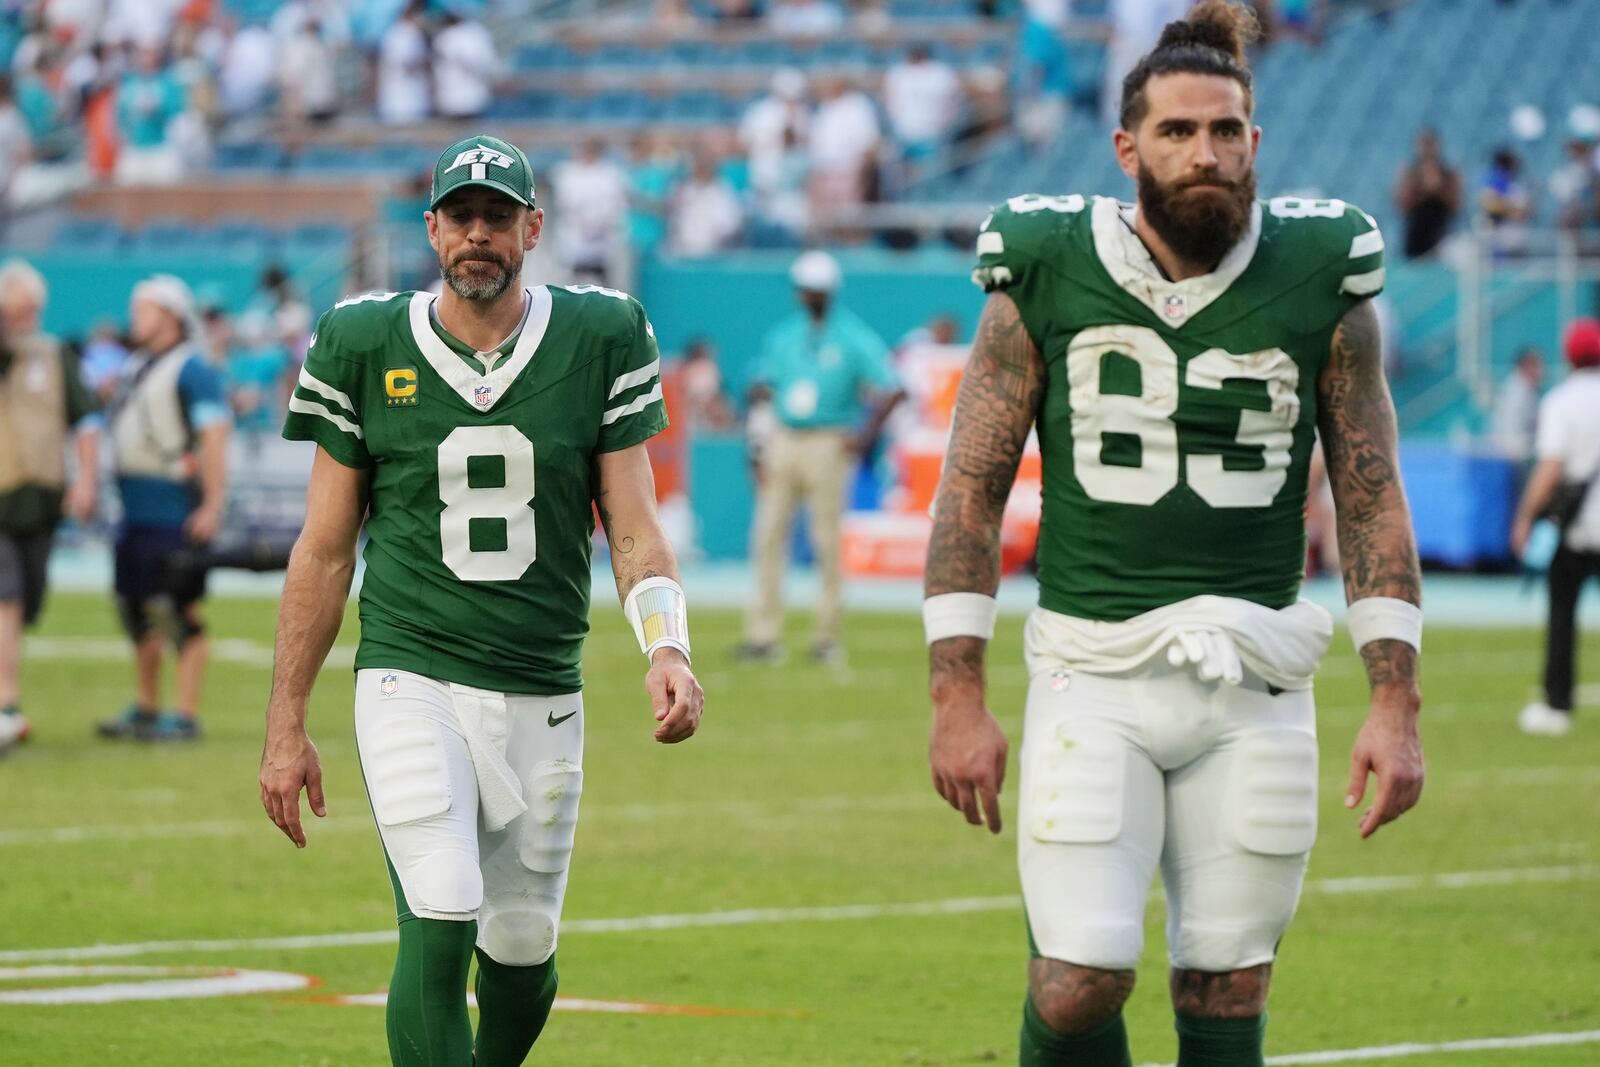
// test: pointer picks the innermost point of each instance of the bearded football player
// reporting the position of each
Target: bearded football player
(1177, 357)
(473, 434)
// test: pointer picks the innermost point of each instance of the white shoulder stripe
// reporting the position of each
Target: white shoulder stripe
(1362, 284)
(991, 243)
(306, 407)
(322, 388)
(1366, 243)
(639, 404)
(634, 377)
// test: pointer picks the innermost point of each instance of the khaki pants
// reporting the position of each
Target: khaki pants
(809, 465)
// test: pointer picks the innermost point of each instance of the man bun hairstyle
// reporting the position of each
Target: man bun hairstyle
(1211, 39)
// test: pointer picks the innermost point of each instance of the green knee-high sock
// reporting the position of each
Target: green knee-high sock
(1104, 1046)
(427, 1011)
(1221, 1042)
(513, 1004)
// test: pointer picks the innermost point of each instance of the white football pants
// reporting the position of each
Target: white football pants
(417, 738)
(1215, 782)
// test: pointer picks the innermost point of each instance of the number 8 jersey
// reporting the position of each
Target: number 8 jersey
(1178, 417)
(478, 550)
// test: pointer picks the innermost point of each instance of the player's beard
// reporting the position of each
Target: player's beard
(1201, 228)
(470, 286)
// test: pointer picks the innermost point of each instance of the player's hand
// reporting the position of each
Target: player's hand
(1389, 747)
(289, 762)
(80, 502)
(967, 754)
(203, 524)
(1521, 530)
(675, 696)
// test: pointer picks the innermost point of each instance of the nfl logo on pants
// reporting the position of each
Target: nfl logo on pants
(389, 684)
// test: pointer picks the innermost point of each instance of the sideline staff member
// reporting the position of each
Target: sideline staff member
(41, 402)
(821, 368)
(1563, 481)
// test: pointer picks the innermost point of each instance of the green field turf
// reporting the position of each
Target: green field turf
(806, 789)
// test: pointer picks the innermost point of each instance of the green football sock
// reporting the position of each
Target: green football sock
(427, 1012)
(513, 1004)
(1221, 1042)
(1104, 1046)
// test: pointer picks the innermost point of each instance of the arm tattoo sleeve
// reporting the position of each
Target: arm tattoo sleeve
(1000, 394)
(1377, 549)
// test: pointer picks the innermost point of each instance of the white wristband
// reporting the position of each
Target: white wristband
(959, 615)
(1379, 618)
(659, 614)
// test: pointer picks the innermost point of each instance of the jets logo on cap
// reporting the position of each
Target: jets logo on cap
(480, 159)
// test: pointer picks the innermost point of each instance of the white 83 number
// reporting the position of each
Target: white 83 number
(511, 501)
(1149, 417)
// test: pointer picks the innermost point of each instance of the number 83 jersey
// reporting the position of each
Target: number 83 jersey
(1178, 417)
(481, 517)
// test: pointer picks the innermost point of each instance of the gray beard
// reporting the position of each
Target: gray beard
(486, 291)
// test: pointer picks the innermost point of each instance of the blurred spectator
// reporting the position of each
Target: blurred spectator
(705, 406)
(1575, 186)
(1135, 27)
(703, 212)
(103, 359)
(1505, 203)
(249, 67)
(15, 147)
(256, 369)
(843, 146)
(1562, 488)
(1516, 407)
(782, 208)
(1428, 193)
(828, 376)
(922, 99)
(149, 99)
(988, 108)
(1043, 83)
(308, 87)
(41, 401)
(465, 65)
(169, 432)
(331, 17)
(287, 313)
(765, 129)
(805, 18)
(652, 171)
(591, 197)
(404, 79)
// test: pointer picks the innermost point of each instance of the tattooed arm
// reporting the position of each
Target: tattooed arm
(626, 499)
(1379, 556)
(1000, 394)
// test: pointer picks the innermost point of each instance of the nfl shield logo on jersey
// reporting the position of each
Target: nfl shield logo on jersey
(389, 684)
(482, 395)
(1175, 307)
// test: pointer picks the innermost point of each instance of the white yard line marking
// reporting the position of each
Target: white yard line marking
(1384, 1052)
(587, 1004)
(830, 913)
(165, 983)
(116, 649)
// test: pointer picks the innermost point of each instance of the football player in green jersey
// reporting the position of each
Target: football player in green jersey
(1176, 357)
(473, 434)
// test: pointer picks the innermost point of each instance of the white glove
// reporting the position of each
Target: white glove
(1211, 652)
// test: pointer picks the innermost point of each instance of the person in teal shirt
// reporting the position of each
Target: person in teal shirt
(830, 386)
(148, 99)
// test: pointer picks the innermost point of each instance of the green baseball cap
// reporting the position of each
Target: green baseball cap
(482, 160)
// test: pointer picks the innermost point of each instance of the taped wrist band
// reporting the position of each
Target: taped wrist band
(1380, 618)
(959, 615)
(659, 614)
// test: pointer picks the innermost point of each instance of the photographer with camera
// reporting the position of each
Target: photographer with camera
(42, 403)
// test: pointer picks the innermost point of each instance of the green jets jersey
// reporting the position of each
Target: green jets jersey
(1178, 417)
(477, 557)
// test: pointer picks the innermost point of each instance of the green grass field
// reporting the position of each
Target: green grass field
(1474, 917)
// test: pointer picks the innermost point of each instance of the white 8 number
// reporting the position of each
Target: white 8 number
(1149, 415)
(511, 501)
